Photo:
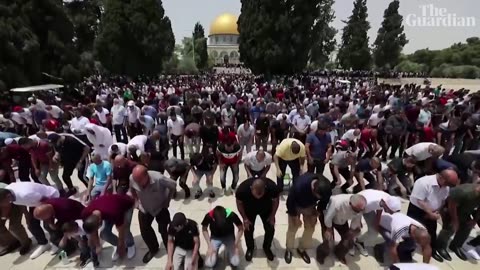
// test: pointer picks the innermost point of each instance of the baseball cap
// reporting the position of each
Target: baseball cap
(178, 219)
(393, 203)
(53, 138)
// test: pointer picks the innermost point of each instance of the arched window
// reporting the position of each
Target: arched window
(215, 54)
(233, 55)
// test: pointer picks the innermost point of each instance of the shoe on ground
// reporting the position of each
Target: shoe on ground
(54, 249)
(249, 255)
(361, 249)
(459, 253)
(436, 255)
(288, 256)
(303, 254)
(131, 252)
(149, 256)
(269, 254)
(39, 251)
(84, 262)
(115, 254)
(471, 252)
(25, 249)
(198, 194)
(444, 254)
(212, 194)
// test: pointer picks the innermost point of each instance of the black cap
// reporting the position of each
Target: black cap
(178, 219)
(53, 138)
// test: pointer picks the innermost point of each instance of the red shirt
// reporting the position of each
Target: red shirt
(428, 135)
(66, 210)
(113, 208)
(40, 152)
(17, 152)
(366, 135)
(227, 156)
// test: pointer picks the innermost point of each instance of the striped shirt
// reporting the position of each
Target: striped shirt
(398, 225)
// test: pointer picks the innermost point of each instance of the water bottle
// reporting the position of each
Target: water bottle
(63, 257)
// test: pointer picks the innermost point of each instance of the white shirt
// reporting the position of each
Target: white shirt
(122, 149)
(55, 112)
(30, 194)
(340, 212)
(314, 126)
(377, 109)
(350, 136)
(245, 134)
(133, 114)
(373, 198)
(398, 225)
(17, 118)
(419, 151)
(118, 114)
(27, 114)
(176, 127)
(427, 189)
(102, 116)
(36, 138)
(228, 117)
(138, 141)
(252, 162)
(77, 125)
(301, 123)
(374, 120)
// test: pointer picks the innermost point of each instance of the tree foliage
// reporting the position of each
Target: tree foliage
(85, 16)
(390, 38)
(276, 36)
(135, 37)
(354, 51)
(323, 35)
(461, 60)
(200, 43)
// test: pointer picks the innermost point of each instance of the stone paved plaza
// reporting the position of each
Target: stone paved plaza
(196, 209)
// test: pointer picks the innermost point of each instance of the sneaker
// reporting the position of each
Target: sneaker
(198, 194)
(39, 251)
(54, 249)
(212, 194)
(471, 252)
(130, 252)
(115, 254)
(360, 247)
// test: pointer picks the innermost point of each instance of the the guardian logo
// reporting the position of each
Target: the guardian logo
(433, 16)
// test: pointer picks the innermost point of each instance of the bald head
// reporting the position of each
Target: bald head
(295, 147)
(140, 175)
(449, 178)
(358, 203)
(44, 212)
(421, 236)
(155, 135)
(119, 161)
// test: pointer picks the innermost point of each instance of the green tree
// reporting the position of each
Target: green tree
(324, 35)
(354, 51)
(135, 37)
(390, 38)
(200, 47)
(276, 36)
(85, 16)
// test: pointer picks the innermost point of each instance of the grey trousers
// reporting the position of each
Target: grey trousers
(182, 259)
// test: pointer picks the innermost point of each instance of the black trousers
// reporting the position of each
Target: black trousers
(318, 166)
(148, 234)
(397, 143)
(269, 230)
(345, 172)
(120, 133)
(68, 167)
(178, 141)
(24, 171)
(294, 167)
(421, 216)
(35, 228)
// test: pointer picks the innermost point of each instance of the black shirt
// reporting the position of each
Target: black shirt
(262, 125)
(184, 237)
(363, 165)
(463, 161)
(207, 163)
(226, 230)
(252, 204)
(71, 149)
(209, 135)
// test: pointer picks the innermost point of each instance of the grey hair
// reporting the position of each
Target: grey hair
(358, 200)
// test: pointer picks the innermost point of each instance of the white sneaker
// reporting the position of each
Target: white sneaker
(131, 252)
(471, 252)
(53, 249)
(39, 251)
(361, 249)
(115, 254)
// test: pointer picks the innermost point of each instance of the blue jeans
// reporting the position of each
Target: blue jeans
(96, 191)
(229, 242)
(107, 234)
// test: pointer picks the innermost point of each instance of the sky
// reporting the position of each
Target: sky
(185, 13)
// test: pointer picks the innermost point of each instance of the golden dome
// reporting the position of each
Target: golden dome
(225, 24)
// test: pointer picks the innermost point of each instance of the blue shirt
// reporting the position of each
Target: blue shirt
(300, 194)
(318, 145)
(101, 172)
